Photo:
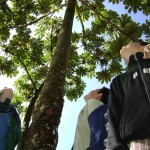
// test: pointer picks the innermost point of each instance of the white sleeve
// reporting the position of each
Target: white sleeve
(92, 104)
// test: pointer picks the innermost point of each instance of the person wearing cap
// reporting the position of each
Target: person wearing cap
(10, 132)
(91, 129)
(129, 103)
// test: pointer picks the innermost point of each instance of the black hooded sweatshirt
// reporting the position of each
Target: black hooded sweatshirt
(129, 105)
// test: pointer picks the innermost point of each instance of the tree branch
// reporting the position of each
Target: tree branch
(83, 30)
(35, 21)
(7, 51)
(107, 20)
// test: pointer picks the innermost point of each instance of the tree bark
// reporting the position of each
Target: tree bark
(43, 131)
(27, 119)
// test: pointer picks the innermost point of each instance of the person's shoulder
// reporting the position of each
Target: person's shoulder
(119, 77)
(116, 78)
(15, 114)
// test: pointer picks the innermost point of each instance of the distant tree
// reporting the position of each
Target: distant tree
(35, 40)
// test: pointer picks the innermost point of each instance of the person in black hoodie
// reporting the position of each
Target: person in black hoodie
(129, 103)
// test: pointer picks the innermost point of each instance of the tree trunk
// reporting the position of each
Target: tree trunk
(27, 119)
(43, 131)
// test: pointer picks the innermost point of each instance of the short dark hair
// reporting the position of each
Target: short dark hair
(143, 43)
(105, 94)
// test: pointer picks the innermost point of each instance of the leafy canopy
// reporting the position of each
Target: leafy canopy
(29, 31)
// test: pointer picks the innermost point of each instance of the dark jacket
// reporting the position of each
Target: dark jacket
(129, 105)
(10, 128)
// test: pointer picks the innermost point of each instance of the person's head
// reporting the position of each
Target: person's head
(6, 93)
(131, 49)
(105, 94)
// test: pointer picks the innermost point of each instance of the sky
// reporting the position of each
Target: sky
(71, 110)
(6, 82)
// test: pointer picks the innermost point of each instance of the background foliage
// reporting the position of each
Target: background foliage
(28, 36)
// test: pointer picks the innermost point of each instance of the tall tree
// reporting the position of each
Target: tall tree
(29, 40)
(42, 133)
